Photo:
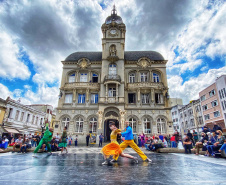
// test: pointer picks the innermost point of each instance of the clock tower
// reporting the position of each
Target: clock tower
(113, 66)
(113, 41)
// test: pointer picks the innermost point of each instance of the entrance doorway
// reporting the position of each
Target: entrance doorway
(107, 130)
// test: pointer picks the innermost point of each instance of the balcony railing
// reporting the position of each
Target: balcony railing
(112, 78)
(81, 85)
(145, 84)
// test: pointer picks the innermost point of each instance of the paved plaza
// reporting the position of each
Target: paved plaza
(83, 166)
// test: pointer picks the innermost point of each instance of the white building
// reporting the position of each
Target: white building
(221, 90)
(21, 118)
(48, 109)
(191, 117)
(175, 101)
(176, 117)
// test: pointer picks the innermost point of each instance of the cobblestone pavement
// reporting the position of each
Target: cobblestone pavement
(83, 166)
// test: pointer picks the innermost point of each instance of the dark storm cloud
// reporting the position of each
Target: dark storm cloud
(41, 29)
(154, 23)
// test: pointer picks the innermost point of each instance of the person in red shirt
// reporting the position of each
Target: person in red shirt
(173, 141)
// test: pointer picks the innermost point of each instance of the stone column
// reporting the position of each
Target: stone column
(100, 119)
(74, 95)
(87, 95)
(116, 92)
(90, 78)
(77, 76)
(138, 95)
(150, 75)
(106, 93)
(152, 95)
(137, 76)
(122, 115)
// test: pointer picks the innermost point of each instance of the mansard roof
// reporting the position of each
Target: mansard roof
(129, 55)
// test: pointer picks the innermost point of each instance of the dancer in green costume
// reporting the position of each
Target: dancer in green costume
(47, 137)
(63, 143)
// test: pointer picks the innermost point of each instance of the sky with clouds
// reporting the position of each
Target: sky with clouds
(35, 36)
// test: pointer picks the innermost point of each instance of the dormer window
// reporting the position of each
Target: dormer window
(132, 78)
(71, 78)
(83, 77)
(155, 77)
(95, 78)
(144, 77)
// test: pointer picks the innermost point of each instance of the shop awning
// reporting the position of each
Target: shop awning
(12, 130)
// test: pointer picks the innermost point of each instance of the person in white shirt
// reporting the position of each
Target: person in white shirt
(57, 138)
(18, 143)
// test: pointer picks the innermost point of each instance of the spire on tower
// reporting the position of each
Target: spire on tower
(114, 12)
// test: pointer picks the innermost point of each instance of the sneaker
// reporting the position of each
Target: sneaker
(135, 160)
(113, 161)
(148, 160)
(105, 162)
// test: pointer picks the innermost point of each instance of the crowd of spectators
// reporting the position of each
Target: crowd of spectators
(211, 141)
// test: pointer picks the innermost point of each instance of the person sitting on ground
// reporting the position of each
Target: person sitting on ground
(223, 147)
(157, 144)
(24, 146)
(18, 144)
(147, 143)
(165, 142)
(54, 145)
(187, 144)
(217, 145)
(206, 129)
(200, 143)
(216, 127)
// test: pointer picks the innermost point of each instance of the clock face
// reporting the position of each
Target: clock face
(113, 31)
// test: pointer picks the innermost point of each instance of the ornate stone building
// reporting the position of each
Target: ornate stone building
(114, 84)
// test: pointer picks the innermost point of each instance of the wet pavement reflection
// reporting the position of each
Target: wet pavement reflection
(87, 169)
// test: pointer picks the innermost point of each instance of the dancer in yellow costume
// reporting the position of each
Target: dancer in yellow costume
(128, 134)
(113, 148)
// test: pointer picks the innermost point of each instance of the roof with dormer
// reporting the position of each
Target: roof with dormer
(129, 55)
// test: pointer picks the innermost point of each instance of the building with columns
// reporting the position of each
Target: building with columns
(113, 85)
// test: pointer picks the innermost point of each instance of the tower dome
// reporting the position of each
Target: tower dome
(113, 17)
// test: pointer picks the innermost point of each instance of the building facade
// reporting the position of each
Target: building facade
(21, 118)
(221, 90)
(210, 104)
(190, 117)
(175, 101)
(47, 109)
(113, 85)
(176, 117)
(2, 112)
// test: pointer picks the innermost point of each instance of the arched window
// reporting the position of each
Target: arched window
(71, 78)
(161, 125)
(155, 77)
(132, 78)
(112, 69)
(186, 124)
(133, 124)
(147, 126)
(95, 78)
(93, 125)
(83, 77)
(79, 125)
(65, 122)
